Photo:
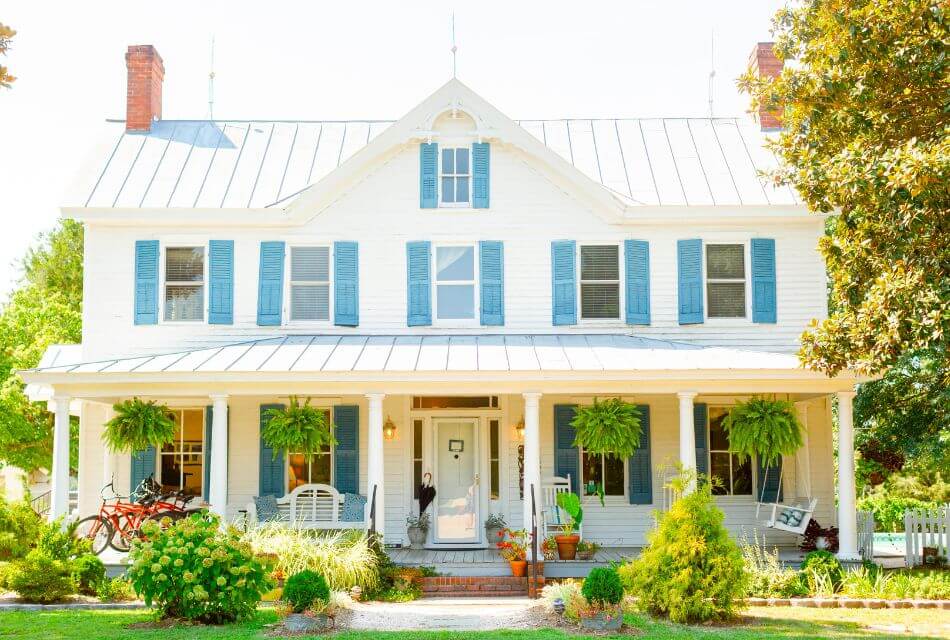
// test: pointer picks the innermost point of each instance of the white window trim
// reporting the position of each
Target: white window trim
(470, 174)
(729, 497)
(206, 274)
(476, 283)
(621, 274)
(159, 453)
(746, 244)
(331, 454)
(288, 282)
(617, 499)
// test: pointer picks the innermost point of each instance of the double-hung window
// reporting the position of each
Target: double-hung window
(456, 177)
(181, 461)
(600, 282)
(598, 469)
(455, 282)
(184, 283)
(726, 280)
(317, 470)
(730, 477)
(310, 283)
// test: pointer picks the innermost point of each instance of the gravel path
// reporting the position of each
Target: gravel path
(465, 614)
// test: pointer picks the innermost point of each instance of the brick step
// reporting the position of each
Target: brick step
(476, 594)
(475, 586)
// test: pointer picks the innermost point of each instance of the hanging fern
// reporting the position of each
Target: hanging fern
(765, 428)
(611, 427)
(298, 428)
(138, 425)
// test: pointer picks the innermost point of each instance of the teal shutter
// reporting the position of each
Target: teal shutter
(346, 455)
(271, 469)
(418, 284)
(690, 270)
(428, 175)
(221, 282)
(143, 466)
(206, 476)
(566, 456)
(270, 290)
(481, 165)
(639, 468)
(146, 282)
(763, 280)
(563, 283)
(636, 255)
(700, 414)
(491, 260)
(770, 481)
(346, 284)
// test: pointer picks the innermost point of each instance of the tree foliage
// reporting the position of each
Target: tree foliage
(6, 35)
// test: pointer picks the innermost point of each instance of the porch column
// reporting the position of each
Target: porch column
(374, 462)
(218, 478)
(59, 493)
(847, 508)
(687, 432)
(532, 457)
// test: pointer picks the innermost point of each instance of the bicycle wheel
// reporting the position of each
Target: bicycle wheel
(97, 530)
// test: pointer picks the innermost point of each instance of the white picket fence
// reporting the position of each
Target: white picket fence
(929, 528)
(866, 535)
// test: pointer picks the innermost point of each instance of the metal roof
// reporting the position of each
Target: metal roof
(264, 163)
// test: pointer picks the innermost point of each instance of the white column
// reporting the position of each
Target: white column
(847, 509)
(687, 432)
(803, 455)
(374, 462)
(218, 478)
(532, 458)
(59, 496)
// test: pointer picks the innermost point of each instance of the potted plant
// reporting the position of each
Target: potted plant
(567, 541)
(495, 526)
(603, 592)
(765, 428)
(610, 427)
(587, 550)
(298, 427)
(514, 549)
(418, 529)
(549, 548)
(137, 425)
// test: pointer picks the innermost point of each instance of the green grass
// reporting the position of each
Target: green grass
(762, 623)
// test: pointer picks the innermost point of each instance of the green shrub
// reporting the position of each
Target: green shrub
(196, 571)
(41, 578)
(889, 509)
(5, 568)
(767, 578)
(19, 529)
(602, 587)
(88, 571)
(568, 592)
(60, 542)
(819, 565)
(303, 589)
(691, 570)
(115, 590)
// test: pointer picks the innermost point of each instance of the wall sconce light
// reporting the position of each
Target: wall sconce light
(519, 429)
(389, 429)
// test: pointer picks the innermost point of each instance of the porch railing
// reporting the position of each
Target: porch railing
(533, 574)
(866, 535)
(42, 503)
(372, 515)
(926, 528)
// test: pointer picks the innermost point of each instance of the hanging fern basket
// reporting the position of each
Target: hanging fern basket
(299, 428)
(765, 428)
(138, 425)
(611, 427)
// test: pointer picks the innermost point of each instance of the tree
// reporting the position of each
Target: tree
(6, 35)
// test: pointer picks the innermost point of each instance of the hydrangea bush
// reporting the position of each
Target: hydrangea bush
(195, 570)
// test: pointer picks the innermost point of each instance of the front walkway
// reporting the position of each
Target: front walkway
(457, 614)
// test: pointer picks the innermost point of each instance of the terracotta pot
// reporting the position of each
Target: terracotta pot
(567, 546)
(519, 568)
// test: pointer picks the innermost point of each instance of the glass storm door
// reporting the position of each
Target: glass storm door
(457, 495)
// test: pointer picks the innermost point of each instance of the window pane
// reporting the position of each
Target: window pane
(461, 161)
(320, 469)
(184, 264)
(454, 263)
(718, 440)
(416, 478)
(173, 445)
(448, 160)
(296, 471)
(495, 482)
(613, 470)
(742, 477)
(310, 302)
(493, 446)
(184, 303)
(600, 300)
(725, 261)
(461, 189)
(310, 263)
(600, 263)
(719, 471)
(417, 439)
(456, 302)
(170, 472)
(448, 189)
(726, 299)
(593, 473)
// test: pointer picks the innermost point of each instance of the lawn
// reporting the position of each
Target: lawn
(762, 623)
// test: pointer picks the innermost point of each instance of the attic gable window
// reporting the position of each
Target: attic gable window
(600, 282)
(184, 284)
(455, 177)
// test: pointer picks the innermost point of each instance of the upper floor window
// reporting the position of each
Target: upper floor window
(310, 283)
(725, 280)
(184, 283)
(455, 282)
(455, 177)
(181, 461)
(731, 477)
(600, 282)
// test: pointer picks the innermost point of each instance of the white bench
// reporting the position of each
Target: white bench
(310, 506)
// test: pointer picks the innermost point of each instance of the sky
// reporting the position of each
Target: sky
(277, 59)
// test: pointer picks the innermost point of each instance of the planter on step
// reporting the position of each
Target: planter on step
(493, 534)
(303, 623)
(567, 546)
(417, 537)
(519, 568)
(603, 621)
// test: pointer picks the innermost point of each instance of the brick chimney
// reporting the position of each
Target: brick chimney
(763, 62)
(144, 91)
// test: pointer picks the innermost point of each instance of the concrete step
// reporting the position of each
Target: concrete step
(475, 586)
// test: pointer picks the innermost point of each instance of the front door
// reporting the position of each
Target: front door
(457, 494)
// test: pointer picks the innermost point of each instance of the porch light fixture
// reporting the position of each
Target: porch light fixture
(519, 429)
(389, 429)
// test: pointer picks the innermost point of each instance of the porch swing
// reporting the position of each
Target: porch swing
(793, 518)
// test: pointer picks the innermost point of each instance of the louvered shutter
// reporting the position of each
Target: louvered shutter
(418, 284)
(221, 285)
(770, 481)
(700, 415)
(639, 466)
(271, 469)
(143, 466)
(206, 476)
(428, 175)
(566, 456)
(346, 462)
(763, 280)
(146, 282)
(270, 292)
(346, 284)
(563, 283)
(690, 271)
(491, 261)
(637, 263)
(481, 168)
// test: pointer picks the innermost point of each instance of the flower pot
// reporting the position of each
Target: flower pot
(493, 534)
(519, 568)
(585, 555)
(417, 537)
(567, 546)
(603, 621)
(304, 623)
